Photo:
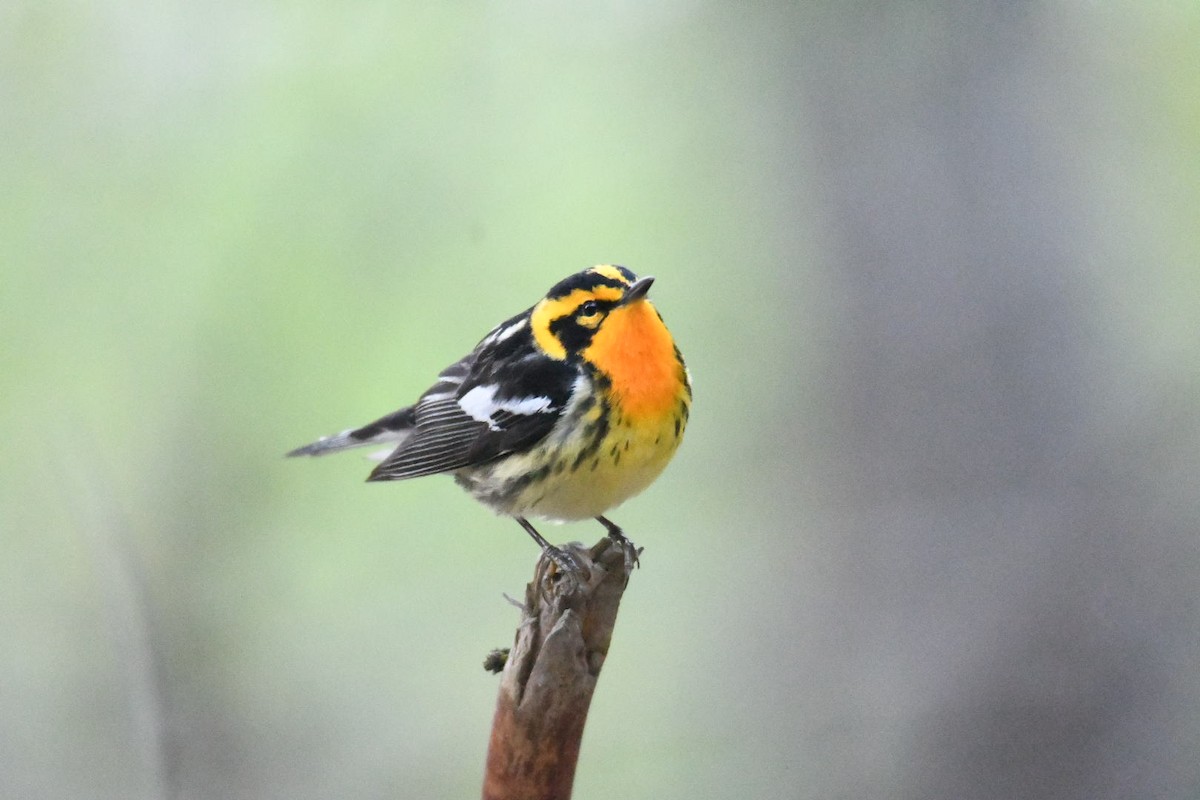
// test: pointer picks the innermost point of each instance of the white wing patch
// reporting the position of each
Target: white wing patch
(500, 334)
(480, 404)
(511, 330)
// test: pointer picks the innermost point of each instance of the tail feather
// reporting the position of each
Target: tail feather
(395, 427)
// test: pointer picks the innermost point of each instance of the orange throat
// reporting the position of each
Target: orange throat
(635, 350)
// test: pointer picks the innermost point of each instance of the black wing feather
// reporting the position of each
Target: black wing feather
(446, 437)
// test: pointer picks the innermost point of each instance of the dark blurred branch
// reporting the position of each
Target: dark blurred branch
(551, 672)
(122, 598)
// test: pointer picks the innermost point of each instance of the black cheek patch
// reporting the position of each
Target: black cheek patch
(573, 336)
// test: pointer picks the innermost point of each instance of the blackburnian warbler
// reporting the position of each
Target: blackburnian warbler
(562, 412)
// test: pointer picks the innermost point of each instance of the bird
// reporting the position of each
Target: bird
(561, 412)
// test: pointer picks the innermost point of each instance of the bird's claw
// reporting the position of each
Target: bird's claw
(565, 562)
(631, 550)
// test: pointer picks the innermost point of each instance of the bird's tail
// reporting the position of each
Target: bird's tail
(393, 428)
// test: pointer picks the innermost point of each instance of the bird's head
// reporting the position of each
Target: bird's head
(607, 302)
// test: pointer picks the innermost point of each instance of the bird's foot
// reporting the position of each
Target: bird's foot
(631, 550)
(564, 561)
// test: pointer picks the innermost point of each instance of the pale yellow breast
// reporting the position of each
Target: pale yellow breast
(628, 462)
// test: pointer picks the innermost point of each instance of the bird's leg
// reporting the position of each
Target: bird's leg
(614, 531)
(563, 559)
(617, 535)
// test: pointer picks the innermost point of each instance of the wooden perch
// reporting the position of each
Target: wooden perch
(548, 680)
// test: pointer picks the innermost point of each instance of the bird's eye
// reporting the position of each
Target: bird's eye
(589, 308)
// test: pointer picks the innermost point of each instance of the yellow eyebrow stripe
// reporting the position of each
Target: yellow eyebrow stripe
(551, 309)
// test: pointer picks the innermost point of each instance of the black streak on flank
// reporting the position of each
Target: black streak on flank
(528, 478)
(595, 432)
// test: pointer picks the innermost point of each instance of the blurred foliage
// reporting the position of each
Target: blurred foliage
(226, 229)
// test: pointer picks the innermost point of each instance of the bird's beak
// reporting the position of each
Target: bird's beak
(637, 290)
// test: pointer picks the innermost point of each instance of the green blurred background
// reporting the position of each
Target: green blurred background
(934, 269)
